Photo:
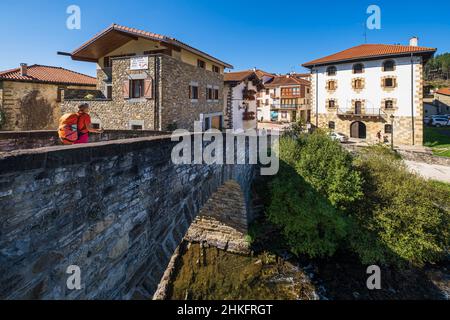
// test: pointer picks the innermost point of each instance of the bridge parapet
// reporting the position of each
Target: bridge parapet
(117, 209)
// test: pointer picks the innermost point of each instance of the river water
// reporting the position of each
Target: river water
(207, 273)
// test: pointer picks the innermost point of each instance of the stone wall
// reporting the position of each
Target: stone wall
(31, 106)
(176, 107)
(117, 113)
(402, 127)
(19, 140)
(116, 209)
(170, 105)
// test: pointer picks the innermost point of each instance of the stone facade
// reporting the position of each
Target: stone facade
(170, 105)
(116, 209)
(31, 105)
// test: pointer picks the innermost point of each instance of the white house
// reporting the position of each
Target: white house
(240, 92)
(369, 89)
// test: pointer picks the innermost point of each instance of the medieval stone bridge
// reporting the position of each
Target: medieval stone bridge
(116, 209)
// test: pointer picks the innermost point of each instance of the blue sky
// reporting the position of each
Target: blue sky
(277, 36)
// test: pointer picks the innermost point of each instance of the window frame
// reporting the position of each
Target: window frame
(193, 92)
(388, 61)
(133, 83)
(388, 129)
(331, 74)
(201, 63)
(358, 71)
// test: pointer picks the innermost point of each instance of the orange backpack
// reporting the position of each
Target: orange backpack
(68, 128)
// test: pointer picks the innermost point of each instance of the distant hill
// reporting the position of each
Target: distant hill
(437, 70)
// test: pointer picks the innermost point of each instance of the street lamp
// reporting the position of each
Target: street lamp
(392, 131)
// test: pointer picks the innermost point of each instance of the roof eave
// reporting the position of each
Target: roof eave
(311, 65)
(164, 39)
(49, 82)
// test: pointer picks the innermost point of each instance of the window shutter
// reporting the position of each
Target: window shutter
(126, 89)
(148, 89)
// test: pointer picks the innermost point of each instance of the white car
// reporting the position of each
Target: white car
(339, 137)
(439, 121)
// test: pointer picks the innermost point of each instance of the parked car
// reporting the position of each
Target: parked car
(339, 137)
(440, 121)
(427, 120)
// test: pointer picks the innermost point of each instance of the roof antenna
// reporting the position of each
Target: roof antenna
(365, 33)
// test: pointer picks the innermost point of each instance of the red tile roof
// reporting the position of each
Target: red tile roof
(370, 51)
(147, 35)
(280, 81)
(242, 75)
(48, 74)
(444, 91)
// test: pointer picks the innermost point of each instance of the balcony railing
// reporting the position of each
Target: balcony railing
(274, 96)
(360, 112)
(286, 106)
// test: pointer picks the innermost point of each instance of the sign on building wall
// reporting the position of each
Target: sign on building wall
(139, 63)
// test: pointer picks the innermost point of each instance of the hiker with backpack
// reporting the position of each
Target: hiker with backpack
(74, 128)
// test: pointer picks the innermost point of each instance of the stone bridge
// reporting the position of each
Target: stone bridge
(116, 209)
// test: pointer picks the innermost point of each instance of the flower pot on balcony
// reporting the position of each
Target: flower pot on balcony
(248, 116)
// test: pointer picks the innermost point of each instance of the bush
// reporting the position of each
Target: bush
(328, 168)
(403, 219)
(322, 196)
(314, 184)
(310, 224)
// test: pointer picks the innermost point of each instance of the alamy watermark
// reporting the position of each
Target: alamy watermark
(214, 147)
(73, 21)
(74, 280)
(374, 20)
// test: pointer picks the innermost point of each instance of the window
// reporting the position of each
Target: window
(307, 90)
(267, 91)
(358, 68)
(107, 62)
(389, 65)
(266, 102)
(283, 114)
(136, 124)
(389, 82)
(389, 104)
(331, 85)
(331, 125)
(216, 94)
(387, 128)
(193, 92)
(358, 84)
(209, 94)
(215, 69)
(109, 91)
(95, 125)
(290, 91)
(137, 88)
(201, 64)
(331, 71)
(331, 104)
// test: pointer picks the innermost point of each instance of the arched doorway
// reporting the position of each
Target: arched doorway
(358, 130)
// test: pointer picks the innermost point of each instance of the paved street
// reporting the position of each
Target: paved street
(430, 171)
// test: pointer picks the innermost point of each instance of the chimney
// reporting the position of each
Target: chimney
(23, 69)
(254, 69)
(414, 42)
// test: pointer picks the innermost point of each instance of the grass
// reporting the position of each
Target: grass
(439, 140)
(445, 187)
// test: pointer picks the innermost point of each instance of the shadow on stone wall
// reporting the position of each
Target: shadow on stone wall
(36, 112)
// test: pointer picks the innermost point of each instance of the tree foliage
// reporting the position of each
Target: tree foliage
(323, 200)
